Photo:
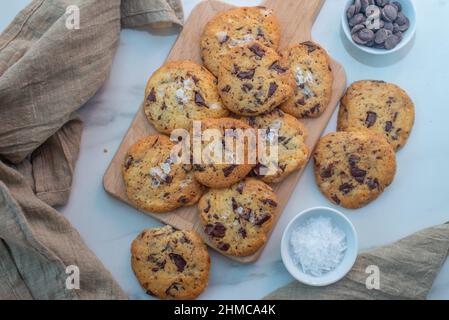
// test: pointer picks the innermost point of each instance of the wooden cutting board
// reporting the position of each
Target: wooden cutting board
(296, 18)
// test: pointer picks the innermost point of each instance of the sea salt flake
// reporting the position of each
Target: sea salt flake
(156, 172)
(247, 38)
(318, 246)
(221, 36)
(188, 84)
(181, 96)
(267, 12)
(215, 106)
(165, 167)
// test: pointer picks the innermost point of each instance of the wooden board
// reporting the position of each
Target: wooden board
(296, 18)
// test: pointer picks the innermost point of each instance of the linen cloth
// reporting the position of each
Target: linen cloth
(47, 72)
(407, 270)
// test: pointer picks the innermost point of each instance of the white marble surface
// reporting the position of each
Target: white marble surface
(417, 199)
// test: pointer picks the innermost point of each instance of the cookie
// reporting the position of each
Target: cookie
(292, 151)
(310, 65)
(179, 92)
(353, 168)
(235, 27)
(170, 264)
(238, 219)
(252, 80)
(225, 169)
(154, 180)
(378, 106)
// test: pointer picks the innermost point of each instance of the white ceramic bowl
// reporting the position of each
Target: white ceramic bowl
(410, 12)
(349, 258)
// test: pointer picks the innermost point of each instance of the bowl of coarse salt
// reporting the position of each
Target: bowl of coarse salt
(319, 246)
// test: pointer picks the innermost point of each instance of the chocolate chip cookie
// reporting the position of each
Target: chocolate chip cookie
(238, 219)
(179, 92)
(170, 264)
(235, 27)
(224, 167)
(353, 168)
(154, 179)
(288, 134)
(252, 80)
(310, 65)
(378, 106)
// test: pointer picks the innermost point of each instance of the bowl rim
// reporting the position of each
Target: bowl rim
(375, 51)
(285, 243)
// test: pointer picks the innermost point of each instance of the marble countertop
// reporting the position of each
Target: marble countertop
(417, 199)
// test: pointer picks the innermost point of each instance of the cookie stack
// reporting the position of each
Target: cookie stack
(355, 165)
(245, 83)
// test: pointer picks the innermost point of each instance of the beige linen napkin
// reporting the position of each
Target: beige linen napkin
(407, 270)
(47, 72)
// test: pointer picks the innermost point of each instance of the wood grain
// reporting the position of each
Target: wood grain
(296, 18)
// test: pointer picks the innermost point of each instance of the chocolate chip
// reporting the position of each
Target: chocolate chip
(302, 101)
(366, 35)
(261, 220)
(240, 187)
(353, 160)
(226, 88)
(223, 246)
(183, 200)
(272, 89)
(216, 230)
(178, 260)
(270, 202)
(175, 286)
(398, 5)
(392, 41)
(357, 28)
(168, 179)
(371, 118)
(345, 188)
(327, 172)
(382, 3)
(246, 87)
(276, 67)
(152, 96)
(401, 19)
(199, 168)
(389, 26)
(350, 12)
(149, 292)
(242, 232)
(247, 75)
(311, 47)
(128, 162)
(358, 174)
(223, 39)
(389, 13)
(234, 203)
(228, 170)
(257, 50)
(199, 100)
(336, 199)
(159, 265)
(381, 36)
(388, 126)
(315, 108)
(372, 183)
(184, 239)
(365, 4)
(206, 210)
(358, 18)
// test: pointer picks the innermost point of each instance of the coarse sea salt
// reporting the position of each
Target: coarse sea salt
(318, 246)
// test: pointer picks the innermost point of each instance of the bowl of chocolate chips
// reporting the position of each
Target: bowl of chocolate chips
(379, 27)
